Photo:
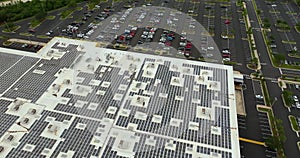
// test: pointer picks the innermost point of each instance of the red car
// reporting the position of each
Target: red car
(132, 34)
(122, 37)
(227, 21)
(31, 30)
(171, 35)
(226, 55)
(188, 45)
(168, 43)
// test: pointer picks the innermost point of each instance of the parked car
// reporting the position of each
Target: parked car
(227, 21)
(226, 51)
(31, 30)
(295, 98)
(187, 53)
(25, 45)
(226, 59)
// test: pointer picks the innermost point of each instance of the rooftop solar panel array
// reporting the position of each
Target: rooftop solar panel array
(114, 111)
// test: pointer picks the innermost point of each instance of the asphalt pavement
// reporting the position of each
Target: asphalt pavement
(268, 70)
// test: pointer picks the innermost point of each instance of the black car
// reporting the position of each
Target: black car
(140, 42)
(180, 48)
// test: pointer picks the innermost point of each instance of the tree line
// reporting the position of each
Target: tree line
(37, 8)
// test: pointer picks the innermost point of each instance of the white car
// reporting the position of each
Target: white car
(183, 44)
(166, 48)
(226, 59)
(80, 35)
(226, 51)
(210, 48)
(224, 37)
(100, 37)
(295, 98)
(298, 105)
(143, 36)
(192, 26)
(153, 29)
(24, 45)
(145, 33)
(180, 52)
(150, 36)
(162, 39)
(209, 55)
(127, 31)
(134, 29)
(151, 33)
(190, 11)
(259, 97)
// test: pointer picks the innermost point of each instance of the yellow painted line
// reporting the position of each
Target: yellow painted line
(252, 141)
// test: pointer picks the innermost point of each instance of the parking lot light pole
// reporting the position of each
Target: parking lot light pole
(275, 99)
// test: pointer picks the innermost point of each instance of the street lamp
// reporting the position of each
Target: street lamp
(275, 99)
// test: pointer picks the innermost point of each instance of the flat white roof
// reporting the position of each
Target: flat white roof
(79, 99)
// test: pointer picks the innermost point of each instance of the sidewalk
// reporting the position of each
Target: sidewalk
(26, 41)
(252, 39)
(240, 105)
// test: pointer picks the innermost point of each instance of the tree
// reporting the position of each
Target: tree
(258, 11)
(266, 23)
(276, 141)
(249, 31)
(41, 15)
(287, 95)
(298, 26)
(254, 62)
(279, 58)
(9, 25)
(271, 37)
(273, 142)
(72, 3)
(280, 130)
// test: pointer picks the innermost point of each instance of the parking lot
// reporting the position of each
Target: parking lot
(221, 34)
(25, 47)
(265, 132)
(258, 92)
(144, 25)
(228, 32)
(296, 96)
(282, 40)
